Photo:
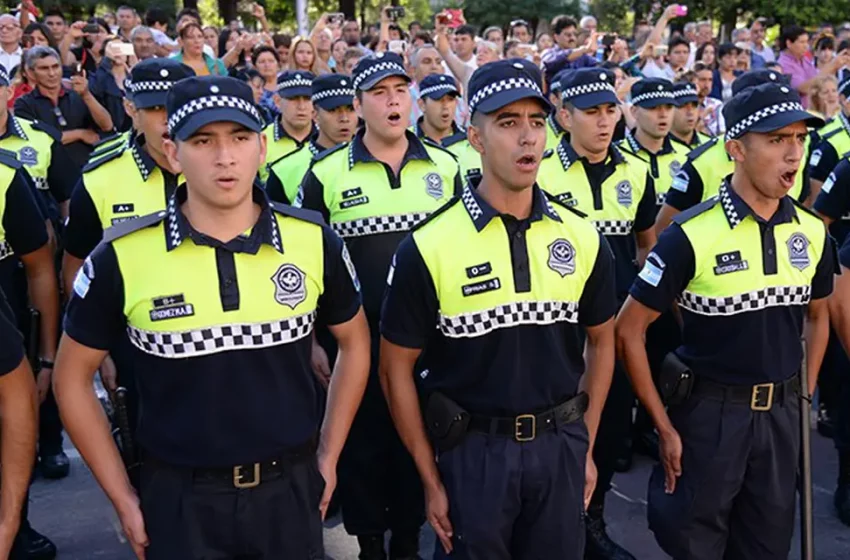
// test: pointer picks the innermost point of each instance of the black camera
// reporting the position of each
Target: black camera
(395, 13)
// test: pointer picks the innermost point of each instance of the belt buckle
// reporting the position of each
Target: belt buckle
(525, 421)
(762, 397)
(237, 477)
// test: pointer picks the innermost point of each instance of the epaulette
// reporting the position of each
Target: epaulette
(47, 129)
(695, 210)
(283, 157)
(454, 139)
(428, 143)
(322, 155)
(107, 156)
(547, 154)
(554, 199)
(10, 159)
(799, 206)
(627, 151)
(299, 213)
(125, 228)
(108, 140)
(451, 202)
(701, 149)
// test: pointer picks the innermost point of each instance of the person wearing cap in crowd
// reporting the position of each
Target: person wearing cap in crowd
(372, 191)
(834, 139)
(616, 191)
(218, 324)
(509, 467)
(555, 130)
(295, 126)
(438, 95)
(686, 116)
(652, 107)
(748, 268)
(702, 174)
(335, 120)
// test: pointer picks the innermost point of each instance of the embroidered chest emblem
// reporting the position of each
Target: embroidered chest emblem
(562, 257)
(289, 282)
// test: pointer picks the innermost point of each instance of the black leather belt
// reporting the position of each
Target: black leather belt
(526, 426)
(760, 397)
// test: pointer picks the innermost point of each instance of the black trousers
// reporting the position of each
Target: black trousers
(736, 497)
(189, 519)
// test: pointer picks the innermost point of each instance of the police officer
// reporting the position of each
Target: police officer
(222, 320)
(295, 126)
(707, 165)
(555, 130)
(17, 433)
(834, 139)
(147, 180)
(532, 277)
(615, 190)
(747, 267)
(653, 107)
(438, 95)
(686, 116)
(372, 191)
(333, 113)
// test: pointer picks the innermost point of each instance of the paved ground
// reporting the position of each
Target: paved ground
(74, 513)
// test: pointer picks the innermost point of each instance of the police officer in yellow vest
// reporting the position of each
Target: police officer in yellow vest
(748, 268)
(652, 107)
(217, 297)
(614, 188)
(686, 116)
(372, 191)
(333, 112)
(295, 126)
(834, 139)
(494, 333)
(127, 182)
(707, 166)
(555, 130)
(438, 95)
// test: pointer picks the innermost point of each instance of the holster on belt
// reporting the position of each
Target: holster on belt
(675, 380)
(445, 420)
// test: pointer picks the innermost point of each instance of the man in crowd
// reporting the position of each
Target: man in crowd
(757, 30)
(10, 42)
(464, 45)
(143, 41)
(566, 54)
(126, 17)
(54, 19)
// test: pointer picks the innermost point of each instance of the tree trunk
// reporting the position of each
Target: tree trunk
(227, 9)
(190, 4)
(349, 8)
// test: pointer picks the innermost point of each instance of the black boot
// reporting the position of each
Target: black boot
(404, 545)
(842, 493)
(371, 547)
(38, 547)
(826, 421)
(599, 545)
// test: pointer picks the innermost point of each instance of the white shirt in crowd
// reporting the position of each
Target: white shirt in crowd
(654, 70)
(767, 54)
(12, 59)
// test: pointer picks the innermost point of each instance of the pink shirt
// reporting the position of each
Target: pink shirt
(801, 71)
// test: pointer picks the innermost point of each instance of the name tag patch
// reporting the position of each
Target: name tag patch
(360, 200)
(123, 208)
(356, 191)
(481, 287)
(122, 219)
(171, 307)
(567, 200)
(479, 270)
(730, 262)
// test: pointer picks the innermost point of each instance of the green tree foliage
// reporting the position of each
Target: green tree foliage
(484, 13)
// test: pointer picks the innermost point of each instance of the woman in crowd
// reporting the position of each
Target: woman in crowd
(258, 87)
(824, 50)
(337, 52)
(486, 51)
(323, 41)
(192, 52)
(267, 65)
(211, 39)
(707, 54)
(544, 42)
(303, 56)
(282, 44)
(107, 83)
(233, 46)
(823, 97)
(40, 36)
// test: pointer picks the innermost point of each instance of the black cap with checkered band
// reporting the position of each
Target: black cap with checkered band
(589, 87)
(758, 77)
(503, 82)
(295, 84)
(684, 93)
(765, 108)
(437, 86)
(372, 69)
(332, 90)
(151, 79)
(652, 92)
(198, 101)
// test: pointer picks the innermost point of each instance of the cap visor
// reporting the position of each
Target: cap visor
(684, 100)
(199, 120)
(656, 102)
(588, 101)
(437, 95)
(782, 120)
(289, 93)
(331, 103)
(372, 81)
(504, 98)
(146, 100)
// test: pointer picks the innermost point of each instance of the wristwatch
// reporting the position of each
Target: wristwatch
(44, 363)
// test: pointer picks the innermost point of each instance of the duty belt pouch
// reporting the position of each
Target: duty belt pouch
(675, 381)
(445, 420)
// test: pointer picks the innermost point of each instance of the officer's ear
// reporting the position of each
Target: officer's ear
(169, 148)
(315, 116)
(566, 112)
(736, 149)
(473, 132)
(130, 109)
(358, 104)
(421, 103)
(263, 149)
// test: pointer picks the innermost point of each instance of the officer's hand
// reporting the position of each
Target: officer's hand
(109, 374)
(133, 525)
(670, 451)
(590, 476)
(328, 470)
(437, 509)
(321, 364)
(42, 384)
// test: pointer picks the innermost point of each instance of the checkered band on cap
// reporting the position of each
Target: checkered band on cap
(212, 340)
(378, 224)
(212, 102)
(586, 89)
(140, 87)
(337, 92)
(689, 89)
(743, 126)
(500, 86)
(436, 88)
(297, 81)
(6, 250)
(381, 66)
(773, 296)
(479, 323)
(614, 227)
(652, 95)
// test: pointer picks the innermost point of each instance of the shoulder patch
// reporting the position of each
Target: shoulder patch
(322, 155)
(695, 210)
(47, 129)
(10, 159)
(702, 148)
(554, 200)
(106, 157)
(128, 227)
(451, 202)
(299, 213)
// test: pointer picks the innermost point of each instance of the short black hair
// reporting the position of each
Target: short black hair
(825, 42)
(54, 12)
(412, 23)
(559, 23)
(156, 15)
(424, 36)
(191, 12)
(843, 45)
(282, 40)
(260, 49)
(727, 48)
(100, 22)
(675, 41)
(791, 33)
(509, 44)
(248, 74)
(465, 30)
